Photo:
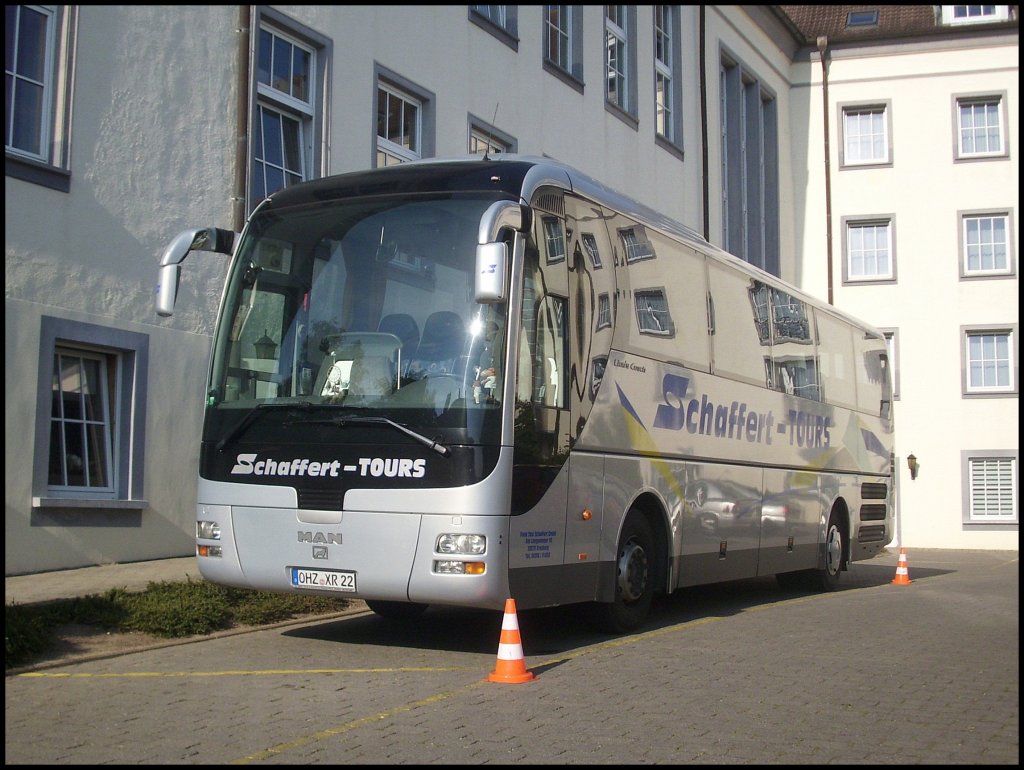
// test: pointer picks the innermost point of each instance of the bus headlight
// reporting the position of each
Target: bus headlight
(461, 544)
(451, 567)
(207, 530)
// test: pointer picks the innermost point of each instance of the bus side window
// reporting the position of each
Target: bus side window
(550, 353)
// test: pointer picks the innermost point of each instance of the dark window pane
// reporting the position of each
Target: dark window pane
(97, 456)
(91, 395)
(56, 469)
(282, 65)
(272, 138)
(28, 111)
(409, 127)
(292, 134)
(275, 179)
(71, 387)
(32, 44)
(382, 112)
(394, 119)
(74, 448)
(300, 74)
(263, 58)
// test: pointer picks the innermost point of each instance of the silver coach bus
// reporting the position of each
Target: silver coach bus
(454, 382)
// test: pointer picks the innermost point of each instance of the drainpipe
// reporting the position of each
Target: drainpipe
(822, 46)
(242, 106)
(704, 123)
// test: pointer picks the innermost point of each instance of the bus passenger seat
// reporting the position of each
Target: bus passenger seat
(403, 326)
(440, 347)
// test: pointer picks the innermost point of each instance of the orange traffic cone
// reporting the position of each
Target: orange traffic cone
(902, 575)
(511, 667)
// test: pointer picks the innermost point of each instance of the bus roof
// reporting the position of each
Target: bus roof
(517, 177)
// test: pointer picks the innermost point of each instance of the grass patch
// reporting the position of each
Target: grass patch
(165, 609)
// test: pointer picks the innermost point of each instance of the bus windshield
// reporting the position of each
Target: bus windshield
(361, 305)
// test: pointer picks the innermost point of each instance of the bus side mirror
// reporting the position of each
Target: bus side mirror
(491, 266)
(199, 239)
(491, 251)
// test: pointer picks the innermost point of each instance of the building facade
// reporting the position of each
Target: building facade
(128, 124)
(916, 210)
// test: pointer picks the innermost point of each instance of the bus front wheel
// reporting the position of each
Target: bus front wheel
(634, 579)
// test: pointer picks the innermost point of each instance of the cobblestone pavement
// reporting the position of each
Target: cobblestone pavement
(926, 673)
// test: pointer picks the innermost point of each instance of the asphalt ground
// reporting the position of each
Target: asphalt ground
(740, 673)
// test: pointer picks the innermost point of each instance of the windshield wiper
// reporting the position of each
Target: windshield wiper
(252, 415)
(342, 422)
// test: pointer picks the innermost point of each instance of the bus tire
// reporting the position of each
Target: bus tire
(397, 611)
(634, 579)
(825, 578)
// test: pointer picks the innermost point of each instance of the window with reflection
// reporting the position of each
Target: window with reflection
(283, 128)
(652, 315)
(554, 239)
(590, 244)
(635, 244)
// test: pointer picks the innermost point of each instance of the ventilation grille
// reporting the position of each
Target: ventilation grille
(872, 513)
(873, 491)
(553, 204)
(321, 500)
(872, 534)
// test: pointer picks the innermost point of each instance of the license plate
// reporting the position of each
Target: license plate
(324, 579)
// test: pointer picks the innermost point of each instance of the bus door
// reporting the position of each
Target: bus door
(543, 433)
(591, 292)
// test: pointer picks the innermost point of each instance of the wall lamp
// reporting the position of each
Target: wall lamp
(912, 464)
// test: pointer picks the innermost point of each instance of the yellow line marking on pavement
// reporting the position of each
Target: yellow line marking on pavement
(349, 726)
(263, 672)
(400, 709)
(610, 644)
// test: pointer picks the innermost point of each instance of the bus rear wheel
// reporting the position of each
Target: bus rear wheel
(634, 579)
(827, 577)
(397, 611)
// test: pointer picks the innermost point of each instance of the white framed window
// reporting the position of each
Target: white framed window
(620, 57)
(635, 244)
(502, 21)
(869, 252)
(865, 135)
(980, 127)
(604, 311)
(990, 487)
(667, 75)
(554, 239)
(562, 40)
(985, 245)
(290, 64)
(39, 74)
(81, 445)
(749, 144)
(399, 126)
(405, 119)
(974, 14)
(590, 244)
(990, 361)
(485, 139)
(31, 44)
(90, 433)
(652, 316)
